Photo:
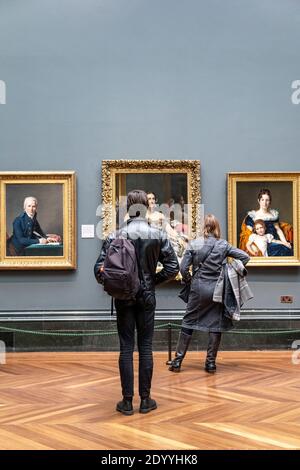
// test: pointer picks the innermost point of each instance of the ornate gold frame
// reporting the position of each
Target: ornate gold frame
(111, 167)
(68, 260)
(265, 177)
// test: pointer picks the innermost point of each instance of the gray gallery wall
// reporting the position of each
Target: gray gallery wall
(97, 79)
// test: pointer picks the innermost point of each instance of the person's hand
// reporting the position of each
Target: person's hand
(43, 241)
(288, 245)
(252, 250)
(252, 253)
(54, 237)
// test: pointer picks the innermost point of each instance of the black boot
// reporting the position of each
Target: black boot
(181, 349)
(212, 351)
(125, 406)
(147, 404)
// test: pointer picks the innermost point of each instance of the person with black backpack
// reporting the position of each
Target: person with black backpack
(127, 269)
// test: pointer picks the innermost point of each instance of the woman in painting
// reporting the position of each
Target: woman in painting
(158, 219)
(279, 230)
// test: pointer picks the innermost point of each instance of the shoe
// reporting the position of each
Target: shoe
(147, 404)
(181, 349)
(125, 407)
(175, 365)
(210, 367)
(212, 351)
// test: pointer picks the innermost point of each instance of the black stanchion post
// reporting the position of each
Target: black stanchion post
(169, 344)
(112, 307)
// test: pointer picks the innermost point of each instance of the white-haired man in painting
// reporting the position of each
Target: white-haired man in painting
(27, 230)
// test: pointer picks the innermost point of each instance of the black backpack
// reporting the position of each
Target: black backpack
(120, 271)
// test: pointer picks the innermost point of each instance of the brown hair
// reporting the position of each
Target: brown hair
(137, 203)
(151, 192)
(260, 222)
(211, 226)
(264, 191)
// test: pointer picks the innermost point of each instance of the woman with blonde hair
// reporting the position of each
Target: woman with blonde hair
(206, 255)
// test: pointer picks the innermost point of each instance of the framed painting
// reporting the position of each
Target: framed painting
(263, 216)
(37, 220)
(173, 191)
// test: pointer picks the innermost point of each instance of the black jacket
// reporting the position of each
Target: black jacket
(23, 233)
(152, 246)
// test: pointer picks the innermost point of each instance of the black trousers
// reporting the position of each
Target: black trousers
(137, 315)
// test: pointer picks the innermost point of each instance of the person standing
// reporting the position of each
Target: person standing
(152, 246)
(206, 256)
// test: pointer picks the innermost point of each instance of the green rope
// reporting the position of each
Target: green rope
(59, 333)
(157, 327)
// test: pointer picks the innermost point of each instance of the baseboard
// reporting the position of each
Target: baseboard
(105, 315)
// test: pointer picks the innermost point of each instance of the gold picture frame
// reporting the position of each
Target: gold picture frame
(264, 215)
(45, 238)
(114, 174)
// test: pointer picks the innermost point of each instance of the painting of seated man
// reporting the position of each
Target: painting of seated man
(36, 220)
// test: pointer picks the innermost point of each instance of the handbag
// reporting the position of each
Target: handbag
(184, 292)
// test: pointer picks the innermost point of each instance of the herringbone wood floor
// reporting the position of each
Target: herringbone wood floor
(67, 401)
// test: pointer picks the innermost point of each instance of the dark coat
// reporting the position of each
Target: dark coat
(23, 228)
(153, 246)
(201, 312)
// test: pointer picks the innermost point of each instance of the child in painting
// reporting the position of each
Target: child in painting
(257, 244)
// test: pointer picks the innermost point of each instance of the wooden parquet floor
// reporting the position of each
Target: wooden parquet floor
(67, 401)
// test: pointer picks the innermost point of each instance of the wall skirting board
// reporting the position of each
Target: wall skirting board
(105, 315)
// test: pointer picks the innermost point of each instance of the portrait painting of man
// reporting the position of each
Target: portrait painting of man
(38, 220)
(34, 222)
